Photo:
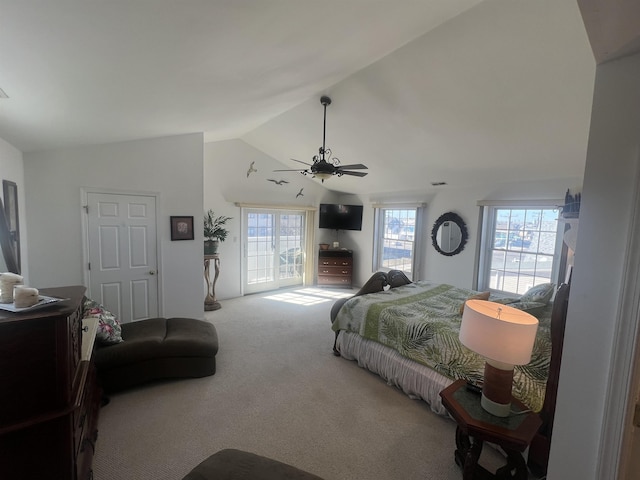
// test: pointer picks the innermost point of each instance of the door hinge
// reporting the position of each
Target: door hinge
(636, 416)
(86, 209)
(89, 265)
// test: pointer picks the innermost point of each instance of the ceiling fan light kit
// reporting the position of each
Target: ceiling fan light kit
(323, 166)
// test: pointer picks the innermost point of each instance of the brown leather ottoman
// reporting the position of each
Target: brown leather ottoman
(231, 464)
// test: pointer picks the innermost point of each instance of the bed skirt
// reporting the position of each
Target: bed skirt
(416, 380)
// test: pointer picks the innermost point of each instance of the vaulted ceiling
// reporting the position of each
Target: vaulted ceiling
(458, 91)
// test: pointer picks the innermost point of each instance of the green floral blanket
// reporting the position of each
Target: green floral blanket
(422, 322)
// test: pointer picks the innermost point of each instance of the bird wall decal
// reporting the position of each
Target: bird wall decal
(251, 169)
(277, 182)
(300, 194)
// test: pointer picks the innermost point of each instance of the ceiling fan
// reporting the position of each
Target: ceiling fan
(323, 165)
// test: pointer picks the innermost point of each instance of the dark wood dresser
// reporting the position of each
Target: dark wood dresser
(49, 396)
(335, 267)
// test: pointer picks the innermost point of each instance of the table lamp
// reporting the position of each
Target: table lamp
(504, 336)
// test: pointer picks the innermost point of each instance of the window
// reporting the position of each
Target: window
(396, 232)
(521, 248)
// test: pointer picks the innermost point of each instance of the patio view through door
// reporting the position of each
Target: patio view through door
(274, 249)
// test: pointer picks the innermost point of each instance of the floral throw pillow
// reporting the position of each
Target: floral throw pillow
(109, 329)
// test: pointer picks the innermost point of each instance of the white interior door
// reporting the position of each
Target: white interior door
(122, 253)
(274, 249)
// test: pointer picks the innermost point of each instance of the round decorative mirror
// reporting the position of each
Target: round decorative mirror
(449, 234)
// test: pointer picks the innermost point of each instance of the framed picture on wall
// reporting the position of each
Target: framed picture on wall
(181, 228)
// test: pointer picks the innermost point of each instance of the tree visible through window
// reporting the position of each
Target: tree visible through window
(522, 248)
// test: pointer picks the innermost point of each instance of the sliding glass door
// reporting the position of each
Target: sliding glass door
(273, 249)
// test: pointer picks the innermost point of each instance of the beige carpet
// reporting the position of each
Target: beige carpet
(278, 392)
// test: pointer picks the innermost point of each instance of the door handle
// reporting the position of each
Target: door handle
(152, 272)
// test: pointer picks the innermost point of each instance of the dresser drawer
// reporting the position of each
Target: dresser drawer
(86, 423)
(80, 415)
(335, 262)
(332, 280)
(339, 271)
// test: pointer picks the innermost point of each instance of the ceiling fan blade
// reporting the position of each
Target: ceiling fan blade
(355, 166)
(300, 161)
(288, 170)
(355, 174)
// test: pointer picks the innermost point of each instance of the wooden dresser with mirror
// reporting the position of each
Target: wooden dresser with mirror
(49, 396)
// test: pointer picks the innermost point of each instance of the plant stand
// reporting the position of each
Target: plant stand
(210, 302)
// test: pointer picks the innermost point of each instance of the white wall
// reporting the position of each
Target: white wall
(456, 270)
(11, 168)
(605, 219)
(169, 166)
(226, 183)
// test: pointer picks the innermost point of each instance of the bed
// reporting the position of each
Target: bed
(407, 333)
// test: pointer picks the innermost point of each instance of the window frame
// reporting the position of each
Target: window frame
(488, 229)
(379, 238)
(303, 266)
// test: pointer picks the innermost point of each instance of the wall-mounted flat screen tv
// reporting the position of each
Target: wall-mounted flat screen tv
(340, 217)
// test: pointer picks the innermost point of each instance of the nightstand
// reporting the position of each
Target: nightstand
(476, 426)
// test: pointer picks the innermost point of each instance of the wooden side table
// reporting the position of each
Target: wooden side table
(476, 426)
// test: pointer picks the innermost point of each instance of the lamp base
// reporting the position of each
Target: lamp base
(496, 390)
(494, 408)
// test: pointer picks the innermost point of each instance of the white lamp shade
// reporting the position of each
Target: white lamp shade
(498, 332)
(323, 175)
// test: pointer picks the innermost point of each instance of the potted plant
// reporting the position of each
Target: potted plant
(214, 231)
